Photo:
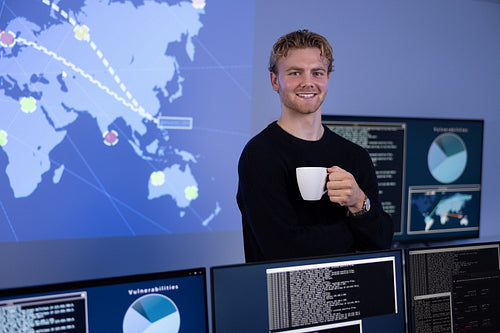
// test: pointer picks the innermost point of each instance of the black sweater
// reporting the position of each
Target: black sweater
(278, 224)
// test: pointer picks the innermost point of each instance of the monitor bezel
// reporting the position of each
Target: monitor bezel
(312, 260)
(82, 285)
(408, 280)
(405, 239)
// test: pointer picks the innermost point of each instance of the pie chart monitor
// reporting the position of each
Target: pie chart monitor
(153, 313)
(447, 158)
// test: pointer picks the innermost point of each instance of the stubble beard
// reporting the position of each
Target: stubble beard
(294, 105)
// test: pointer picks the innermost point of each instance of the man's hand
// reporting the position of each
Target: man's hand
(344, 190)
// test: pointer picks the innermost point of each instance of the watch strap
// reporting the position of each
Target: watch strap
(364, 209)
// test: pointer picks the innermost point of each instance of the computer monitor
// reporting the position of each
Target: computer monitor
(159, 302)
(346, 293)
(428, 170)
(454, 288)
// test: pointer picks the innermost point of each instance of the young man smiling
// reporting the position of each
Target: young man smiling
(277, 223)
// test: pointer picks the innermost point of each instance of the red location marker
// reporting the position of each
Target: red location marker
(7, 38)
(110, 138)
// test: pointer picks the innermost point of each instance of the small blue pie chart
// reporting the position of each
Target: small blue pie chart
(447, 158)
(152, 313)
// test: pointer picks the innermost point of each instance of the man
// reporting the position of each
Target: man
(277, 222)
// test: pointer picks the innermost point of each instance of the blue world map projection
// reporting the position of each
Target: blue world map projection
(121, 118)
(436, 211)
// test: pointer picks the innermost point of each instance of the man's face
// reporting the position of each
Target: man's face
(301, 81)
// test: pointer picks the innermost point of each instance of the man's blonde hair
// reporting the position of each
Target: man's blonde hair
(300, 39)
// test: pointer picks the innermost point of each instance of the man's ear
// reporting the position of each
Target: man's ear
(274, 81)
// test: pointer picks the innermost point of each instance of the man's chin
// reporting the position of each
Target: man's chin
(309, 111)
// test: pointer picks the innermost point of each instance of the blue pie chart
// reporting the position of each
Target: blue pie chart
(447, 158)
(152, 313)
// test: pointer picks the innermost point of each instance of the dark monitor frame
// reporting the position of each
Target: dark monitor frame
(418, 134)
(318, 260)
(444, 248)
(84, 285)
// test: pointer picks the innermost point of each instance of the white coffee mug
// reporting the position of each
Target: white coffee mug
(311, 181)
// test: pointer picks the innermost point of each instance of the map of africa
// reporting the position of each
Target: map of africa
(106, 124)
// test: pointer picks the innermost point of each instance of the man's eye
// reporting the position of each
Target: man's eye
(318, 73)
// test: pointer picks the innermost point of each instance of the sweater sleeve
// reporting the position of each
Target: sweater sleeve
(374, 229)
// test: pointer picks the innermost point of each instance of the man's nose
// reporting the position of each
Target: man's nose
(306, 81)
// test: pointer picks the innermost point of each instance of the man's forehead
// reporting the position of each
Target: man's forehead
(303, 57)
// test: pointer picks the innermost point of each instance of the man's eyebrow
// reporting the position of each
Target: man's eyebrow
(300, 69)
(294, 69)
(319, 69)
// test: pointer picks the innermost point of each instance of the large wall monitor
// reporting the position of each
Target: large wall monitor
(119, 134)
(348, 293)
(454, 289)
(158, 302)
(429, 172)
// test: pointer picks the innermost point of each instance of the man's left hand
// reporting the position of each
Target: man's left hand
(344, 190)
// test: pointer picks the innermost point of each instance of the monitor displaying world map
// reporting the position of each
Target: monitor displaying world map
(110, 122)
(429, 172)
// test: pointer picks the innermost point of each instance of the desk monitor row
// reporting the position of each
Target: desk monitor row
(439, 289)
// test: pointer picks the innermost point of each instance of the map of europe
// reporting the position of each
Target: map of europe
(98, 133)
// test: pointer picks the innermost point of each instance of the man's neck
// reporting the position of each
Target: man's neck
(305, 127)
